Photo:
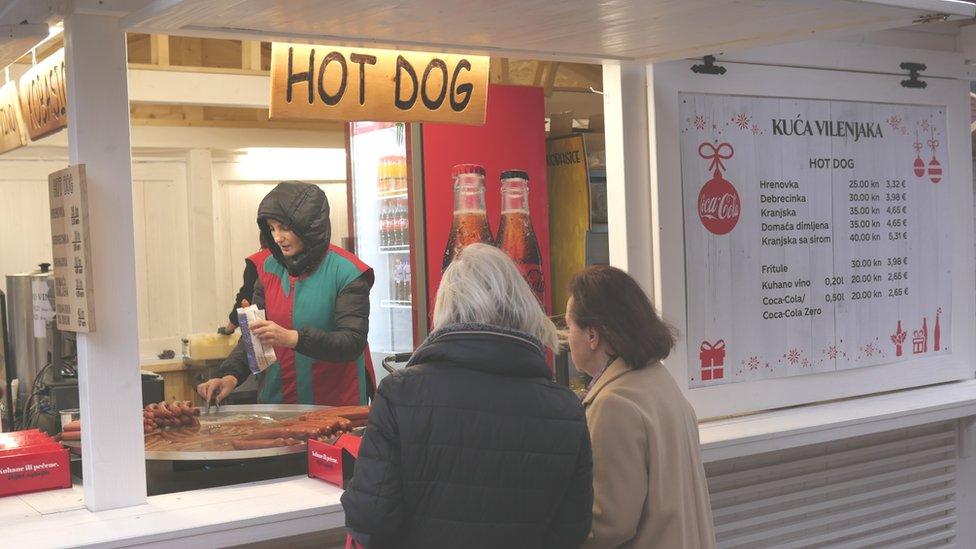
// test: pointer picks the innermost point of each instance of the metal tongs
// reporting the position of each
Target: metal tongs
(206, 406)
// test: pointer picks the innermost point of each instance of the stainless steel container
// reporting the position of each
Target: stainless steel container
(28, 339)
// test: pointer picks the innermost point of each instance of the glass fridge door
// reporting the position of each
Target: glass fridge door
(379, 188)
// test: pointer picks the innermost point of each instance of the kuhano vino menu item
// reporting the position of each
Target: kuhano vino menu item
(815, 235)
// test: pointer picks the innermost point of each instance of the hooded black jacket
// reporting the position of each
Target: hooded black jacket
(472, 446)
(305, 209)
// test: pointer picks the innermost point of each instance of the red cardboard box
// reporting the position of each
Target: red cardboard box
(333, 463)
(34, 468)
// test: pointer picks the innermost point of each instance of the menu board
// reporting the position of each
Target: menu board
(817, 236)
(74, 308)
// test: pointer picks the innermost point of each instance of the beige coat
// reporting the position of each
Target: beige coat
(648, 479)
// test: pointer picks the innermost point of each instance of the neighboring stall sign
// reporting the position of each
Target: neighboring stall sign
(569, 213)
(44, 97)
(817, 235)
(73, 299)
(12, 134)
(330, 83)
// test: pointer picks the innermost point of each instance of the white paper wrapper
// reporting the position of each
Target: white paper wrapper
(259, 356)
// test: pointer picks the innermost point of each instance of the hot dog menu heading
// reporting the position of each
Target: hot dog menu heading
(816, 237)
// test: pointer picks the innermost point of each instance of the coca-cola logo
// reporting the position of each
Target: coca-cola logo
(718, 201)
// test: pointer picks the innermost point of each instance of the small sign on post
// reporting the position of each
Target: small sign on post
(44, 96)
(312, 82)
(73, 293)
(12, 133)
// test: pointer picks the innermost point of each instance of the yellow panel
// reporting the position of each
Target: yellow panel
(569, 213)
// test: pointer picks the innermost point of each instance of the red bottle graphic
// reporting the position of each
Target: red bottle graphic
(516, 237)
(470, 223)
(898, 338)
(718, 201)
(937, 332)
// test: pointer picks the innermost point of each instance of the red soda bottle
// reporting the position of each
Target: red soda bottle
(470, 223)
(516, 237)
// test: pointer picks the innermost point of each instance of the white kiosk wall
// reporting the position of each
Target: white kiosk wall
(776, 287)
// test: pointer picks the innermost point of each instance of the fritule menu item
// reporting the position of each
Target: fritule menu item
(259, 355)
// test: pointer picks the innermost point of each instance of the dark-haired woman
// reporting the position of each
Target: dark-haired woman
(648, 479)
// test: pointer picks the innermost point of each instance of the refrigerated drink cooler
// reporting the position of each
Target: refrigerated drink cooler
(381, 194)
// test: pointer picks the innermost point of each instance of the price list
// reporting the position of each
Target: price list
(813, 235)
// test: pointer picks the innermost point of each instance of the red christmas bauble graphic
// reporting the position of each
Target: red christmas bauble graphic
(919, 167)
(935, 171)
(718, 201)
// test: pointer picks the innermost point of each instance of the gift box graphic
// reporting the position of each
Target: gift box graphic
(712, 357)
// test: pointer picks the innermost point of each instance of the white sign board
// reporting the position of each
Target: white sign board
(817, 235)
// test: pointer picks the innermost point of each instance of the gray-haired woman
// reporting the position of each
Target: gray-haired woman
(472, 445)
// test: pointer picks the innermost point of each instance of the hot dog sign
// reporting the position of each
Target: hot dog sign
(332, 83)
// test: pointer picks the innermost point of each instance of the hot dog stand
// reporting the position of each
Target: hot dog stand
(115, 509)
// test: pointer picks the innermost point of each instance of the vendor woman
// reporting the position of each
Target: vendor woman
(316, 298)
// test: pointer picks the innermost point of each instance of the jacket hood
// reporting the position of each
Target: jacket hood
(489, 349)
(305, 208)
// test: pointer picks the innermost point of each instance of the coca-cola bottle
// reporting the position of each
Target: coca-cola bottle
(402, 234)
(384, 225)
(470, 223)
(516, 237)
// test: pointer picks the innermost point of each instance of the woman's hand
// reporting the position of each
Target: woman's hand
(272, 334)
(217, 388)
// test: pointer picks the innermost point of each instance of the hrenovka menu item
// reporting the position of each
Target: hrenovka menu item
(816, 237)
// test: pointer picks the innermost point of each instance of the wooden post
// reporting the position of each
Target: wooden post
(108, 359)
(205, 306)
(628, 170)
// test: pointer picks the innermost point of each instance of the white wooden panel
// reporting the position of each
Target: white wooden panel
(841, 494)
(633, 29)
(162, 244)
(25, 240)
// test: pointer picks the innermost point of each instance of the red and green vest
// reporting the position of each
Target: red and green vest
(308, 301)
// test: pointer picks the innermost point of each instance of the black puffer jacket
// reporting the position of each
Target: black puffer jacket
(472, 446)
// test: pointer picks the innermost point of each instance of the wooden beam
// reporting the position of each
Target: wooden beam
(540, 71)
(251, 55)
(551, 78)
(199, 88)
(159, 49)
(495, 71)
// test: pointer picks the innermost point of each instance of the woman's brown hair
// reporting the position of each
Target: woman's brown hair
(611, 302)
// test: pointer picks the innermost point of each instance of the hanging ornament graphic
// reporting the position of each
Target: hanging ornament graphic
(935, 169)
(919, 163)
(718, 201)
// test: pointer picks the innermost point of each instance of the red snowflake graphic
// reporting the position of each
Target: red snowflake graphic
(831, 352)
(756, 130)
(792, 356)
(753, 363)
(742, 120)
(805, 363)
(894, 121)
(868, 350)
(700, 122)
(925, 125)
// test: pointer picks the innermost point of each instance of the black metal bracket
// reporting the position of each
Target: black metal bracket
(913, 80)
(709, 67)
